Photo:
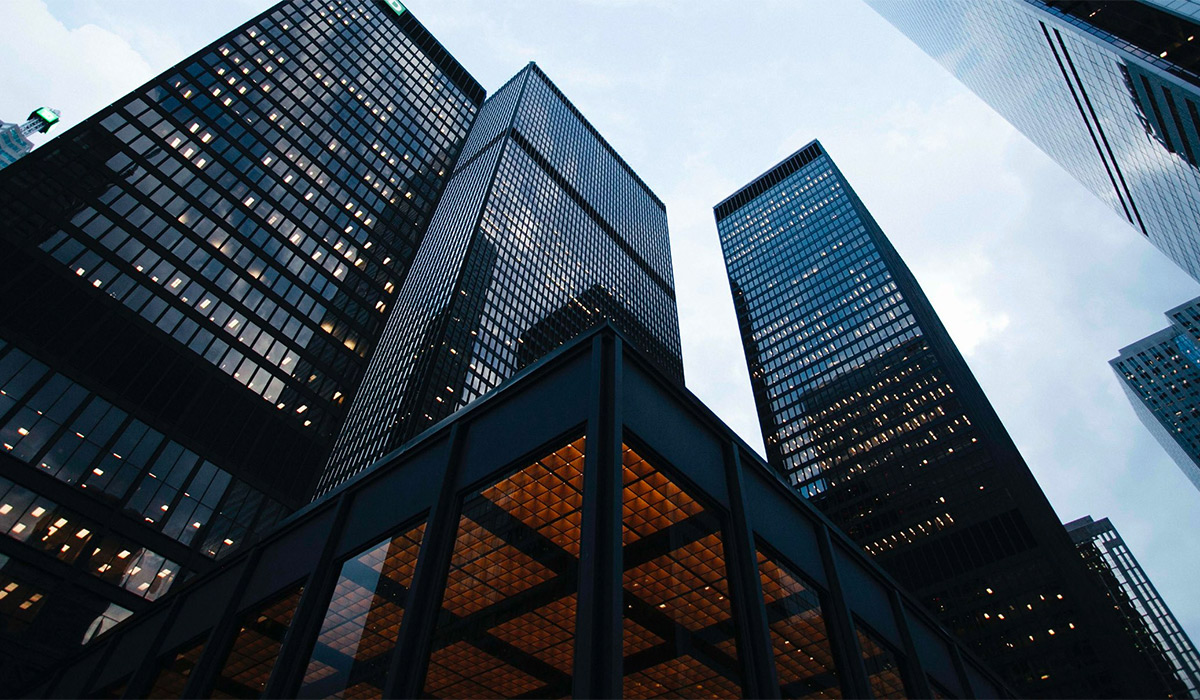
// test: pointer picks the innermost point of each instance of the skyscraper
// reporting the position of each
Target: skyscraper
(868, 409)
(1112, 563)
(542, 232)
(191, 284)
(1108, 89)
(1161, 376)
(14, 138)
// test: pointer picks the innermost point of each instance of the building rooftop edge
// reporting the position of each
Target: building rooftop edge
(771, 176)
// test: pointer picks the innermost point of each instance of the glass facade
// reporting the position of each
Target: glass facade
(1145, 611)
(1161, 376)
(549, 543)
(543, 232)
(868, 410)
(194, 280)
(1109, 90)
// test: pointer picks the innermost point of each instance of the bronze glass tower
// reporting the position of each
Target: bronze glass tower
(868, 409)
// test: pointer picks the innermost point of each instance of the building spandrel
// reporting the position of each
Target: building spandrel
(193, 281)
(1109, 90)
(1112, 563)
(1161, 376)
(869, 411)
(543, 231)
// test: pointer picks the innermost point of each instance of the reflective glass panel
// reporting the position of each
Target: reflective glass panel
(508, 614)
(256, 647)
(678, 629)
(362, 623)
(803, 658)
(176, 670)
(883, 666)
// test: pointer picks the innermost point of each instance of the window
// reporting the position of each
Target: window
(256, 646)
(803, 658)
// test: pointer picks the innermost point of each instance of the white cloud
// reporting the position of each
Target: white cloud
(78, 70)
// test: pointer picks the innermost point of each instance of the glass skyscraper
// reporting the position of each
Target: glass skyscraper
(191, 284)
(543, 231)
(1108, 89)
(1161, 376)
(1147, 613)
(869, 410)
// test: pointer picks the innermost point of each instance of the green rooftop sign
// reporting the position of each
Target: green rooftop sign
(48, 116)
(397, 6)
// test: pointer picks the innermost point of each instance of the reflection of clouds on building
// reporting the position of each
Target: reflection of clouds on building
(1109, 90)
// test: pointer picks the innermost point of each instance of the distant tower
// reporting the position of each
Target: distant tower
(869, 410)
(14, 138)
(1147, 614)
(1110, 90)
(1161, 376)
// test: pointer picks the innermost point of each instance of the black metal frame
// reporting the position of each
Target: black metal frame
(626, 399)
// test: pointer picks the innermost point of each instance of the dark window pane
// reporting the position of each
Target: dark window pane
(175, 672)
(883, 667)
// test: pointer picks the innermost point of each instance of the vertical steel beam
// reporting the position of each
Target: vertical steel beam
(410, 658)
(968, 690)
(913, 671)
(741, 567)
(844, 642)
(598, 653)
(146, 672)
(306, 623)
(220, 640)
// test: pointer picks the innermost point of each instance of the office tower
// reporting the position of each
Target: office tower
(1160, 376)
(869, 411)
(14, 138)
(191, 284)
(589, 530)
(542, 232)
(1108, 89)
(1111, 562)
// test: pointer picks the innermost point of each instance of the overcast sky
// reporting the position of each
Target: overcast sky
(1038, 282)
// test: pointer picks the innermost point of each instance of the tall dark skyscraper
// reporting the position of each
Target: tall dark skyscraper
(1114, 565)
(1161, 376)
(1110, 89)
(869, 410)
(543, 231)
(192, 282)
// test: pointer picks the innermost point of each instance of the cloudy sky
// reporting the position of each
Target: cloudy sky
(1038, 282)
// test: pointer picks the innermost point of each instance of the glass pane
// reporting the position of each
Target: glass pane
(362, 623)
(803, 658)
(176, 671)
(679, 631)
(508, 616)
(883, 667)
(256, 647)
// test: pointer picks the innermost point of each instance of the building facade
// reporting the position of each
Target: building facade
(1110, 560)
(543, 231)
(869, 411)
(1108, 89)
(589, 529)
(1161, 377)
(191, 284)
